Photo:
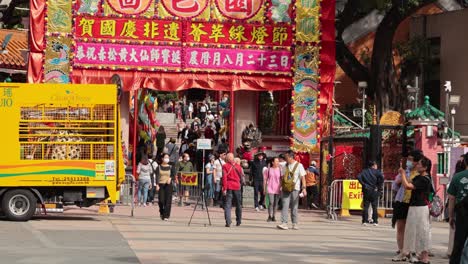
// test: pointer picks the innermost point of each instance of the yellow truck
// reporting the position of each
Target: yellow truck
(60, 146)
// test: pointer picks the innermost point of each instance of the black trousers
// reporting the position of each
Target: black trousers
(312, 195)
(231, 196)
(258, 189)
(371, 198)
(165, 200)
(151, 194)
(461, 234)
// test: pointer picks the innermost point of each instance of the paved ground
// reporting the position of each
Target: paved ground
(82, 236)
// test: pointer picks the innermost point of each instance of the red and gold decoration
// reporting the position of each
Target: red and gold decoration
(172, 45)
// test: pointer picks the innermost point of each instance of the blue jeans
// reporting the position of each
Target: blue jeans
(209, 192)
(143, 187)
(236, 195)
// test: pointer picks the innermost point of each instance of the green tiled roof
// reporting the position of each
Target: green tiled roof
(450, 132)
(426, 112)
(340, 121)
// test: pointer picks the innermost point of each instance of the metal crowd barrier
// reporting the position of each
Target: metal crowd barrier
(182, 194)
(128, 191)
(187, 194)
(335, 191)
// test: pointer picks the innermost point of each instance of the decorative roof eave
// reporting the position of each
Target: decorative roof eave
(426, 122)
(425, 115)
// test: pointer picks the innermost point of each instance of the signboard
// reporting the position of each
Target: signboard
(189, 178)
(109, 168)
(352, 195)
(203, 143)
(125, 43)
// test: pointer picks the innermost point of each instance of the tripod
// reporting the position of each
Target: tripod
(201, 199)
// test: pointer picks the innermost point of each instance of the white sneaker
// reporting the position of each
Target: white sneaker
(295, 227)
(283, 226)
(375, 224)
(413, 258)
(261, 207)
(400, 257)
(314, 206)
(257, 209)
(365, 224)
(166, 219)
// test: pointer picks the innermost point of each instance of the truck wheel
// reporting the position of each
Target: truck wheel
(19, 205)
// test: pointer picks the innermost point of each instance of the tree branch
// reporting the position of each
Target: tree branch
(345, 58)
(349, 63)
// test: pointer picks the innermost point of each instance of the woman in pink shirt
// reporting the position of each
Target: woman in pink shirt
(272, 179)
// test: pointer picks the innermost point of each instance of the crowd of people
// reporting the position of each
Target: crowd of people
(415, 201)
(283, 179)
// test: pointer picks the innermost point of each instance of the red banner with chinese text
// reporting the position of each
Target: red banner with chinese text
(96, 27)
(133, 29)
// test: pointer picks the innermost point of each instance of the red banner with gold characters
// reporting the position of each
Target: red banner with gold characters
(133, 29)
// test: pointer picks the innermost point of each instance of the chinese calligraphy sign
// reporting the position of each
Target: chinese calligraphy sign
(127, 29)
(171, 58)
(136, 56)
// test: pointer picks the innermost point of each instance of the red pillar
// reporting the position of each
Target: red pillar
(135, 132)
(231, 123)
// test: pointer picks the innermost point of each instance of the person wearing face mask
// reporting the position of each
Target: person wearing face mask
(184, 165)
(165, 175)
(402, 200)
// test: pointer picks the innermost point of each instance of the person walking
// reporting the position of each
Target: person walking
(209, 132)
(402, 200)
(144, 180)
(458, 212)
(218, 174)
(312, 179)
(209, 179)
(371, 180)
(231, 189)
(217, 128)
(152, 192)
(272, 176)
(202, 114)
(160, 140)
(459, 167)
(190, 110)
(165, 175)
(183, 166)
(291, 187)
(417, 231)
(173, 150)
(256, 171)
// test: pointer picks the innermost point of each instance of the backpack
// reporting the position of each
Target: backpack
(435, 204)
(287, 182)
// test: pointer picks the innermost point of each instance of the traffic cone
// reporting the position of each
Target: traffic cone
(104, 208)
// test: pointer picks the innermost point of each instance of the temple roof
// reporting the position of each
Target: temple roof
(426, 112)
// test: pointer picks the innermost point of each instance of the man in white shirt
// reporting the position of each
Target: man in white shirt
(203, 109)
(291, 199)
(218, 174)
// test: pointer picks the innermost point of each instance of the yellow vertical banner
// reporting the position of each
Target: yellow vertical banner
(352, 195)
(59, 16)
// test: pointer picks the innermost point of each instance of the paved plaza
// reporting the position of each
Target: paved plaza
(83, 236)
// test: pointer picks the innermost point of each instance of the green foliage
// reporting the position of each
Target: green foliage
(414, 55)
